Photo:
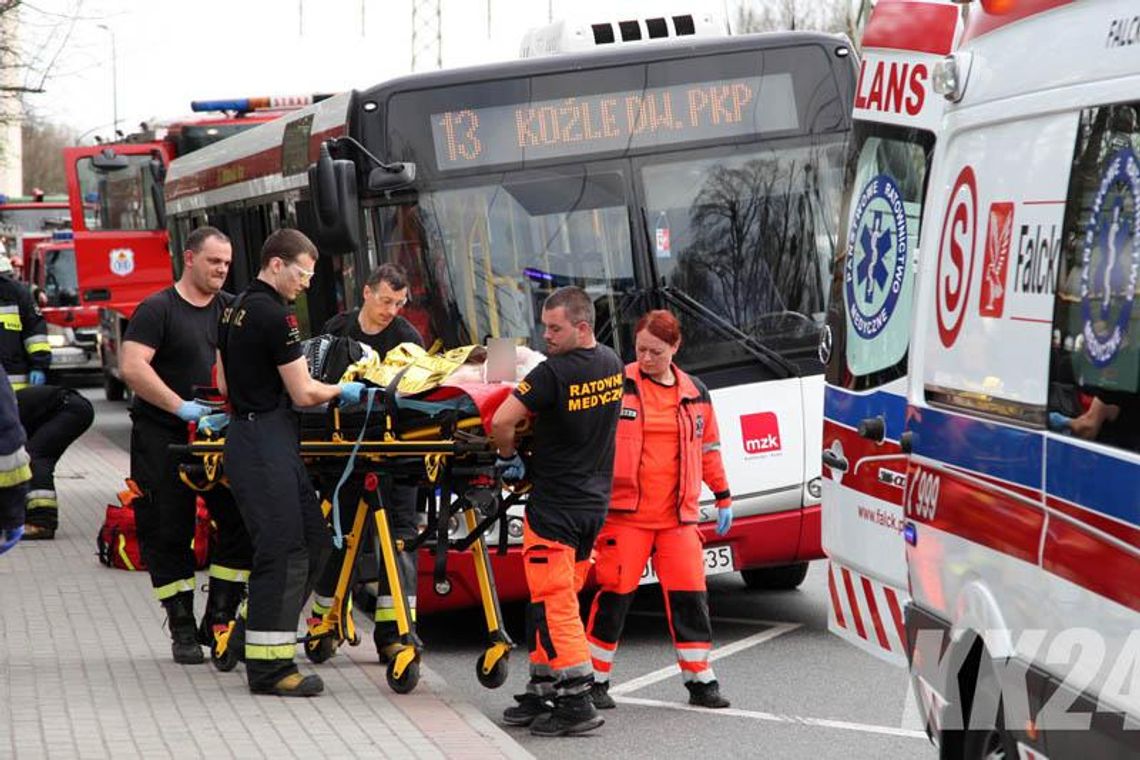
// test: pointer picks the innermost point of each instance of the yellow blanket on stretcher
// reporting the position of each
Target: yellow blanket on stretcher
(424, 370)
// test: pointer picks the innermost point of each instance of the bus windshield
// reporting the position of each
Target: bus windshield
(503, 248)
(750, 237)
(118, 199)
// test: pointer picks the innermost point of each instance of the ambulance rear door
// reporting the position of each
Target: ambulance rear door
(866, 341)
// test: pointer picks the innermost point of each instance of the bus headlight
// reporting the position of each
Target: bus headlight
(815, 488)
(515, 527)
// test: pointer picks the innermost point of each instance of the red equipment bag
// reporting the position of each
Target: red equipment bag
(118, 539)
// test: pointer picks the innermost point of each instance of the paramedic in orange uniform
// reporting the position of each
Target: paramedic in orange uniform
(575, 395)
(667, 443)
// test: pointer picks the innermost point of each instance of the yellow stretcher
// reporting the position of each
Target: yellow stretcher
(450, 454)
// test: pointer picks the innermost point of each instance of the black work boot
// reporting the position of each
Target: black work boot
(706, 695)
(571, 715)
(221, 607)
(183, 635)
(293, 685)
(529, 707)
(600, 696)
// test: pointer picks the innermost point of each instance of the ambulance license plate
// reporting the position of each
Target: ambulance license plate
(718, 560)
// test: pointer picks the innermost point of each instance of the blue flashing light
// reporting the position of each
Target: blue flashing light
(538, 274)
(3, 198)
(910, 534)
(61, 235)
(91, 197)
(235, 104)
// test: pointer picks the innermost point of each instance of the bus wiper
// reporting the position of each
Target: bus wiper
(765, 355)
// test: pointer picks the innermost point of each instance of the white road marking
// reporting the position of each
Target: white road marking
(777, 629)
(737, 620)
(842, 725)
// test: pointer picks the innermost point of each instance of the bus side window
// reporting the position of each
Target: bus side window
(1094, 372)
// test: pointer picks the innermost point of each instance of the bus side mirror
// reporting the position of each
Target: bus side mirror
(108, 160)
(392, 177)
(332, 189)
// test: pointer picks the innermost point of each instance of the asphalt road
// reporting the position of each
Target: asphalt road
(797, 691)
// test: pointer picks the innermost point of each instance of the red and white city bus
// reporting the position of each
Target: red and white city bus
(865, 343)
(701, 175)
(120, 248)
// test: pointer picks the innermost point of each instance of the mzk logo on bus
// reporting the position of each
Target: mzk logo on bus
(122, 261)
(876, 256)
(1109, 258)
(760, 433)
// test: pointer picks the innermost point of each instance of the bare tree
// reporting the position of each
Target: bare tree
(43, 155)
(835, 16)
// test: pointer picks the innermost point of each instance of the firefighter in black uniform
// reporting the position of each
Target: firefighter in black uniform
(53, 418)
(168, 350)
(378, 324)
(24, 348)
(576, 394)
(261, 368)
(14, 469)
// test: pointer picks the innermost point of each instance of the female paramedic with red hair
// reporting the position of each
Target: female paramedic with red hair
(667, 443)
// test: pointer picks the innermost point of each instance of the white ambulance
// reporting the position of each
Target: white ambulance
(865, 342)
(1022, 425)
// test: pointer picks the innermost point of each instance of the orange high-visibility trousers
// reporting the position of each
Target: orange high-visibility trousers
(621, 553)
(559, 656)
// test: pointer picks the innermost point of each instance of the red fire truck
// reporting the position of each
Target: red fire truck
(120, 242)
(26, 221)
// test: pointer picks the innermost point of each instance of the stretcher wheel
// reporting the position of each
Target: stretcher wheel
(321, 649)
(407, 681)
(498, 675)
(226, 661)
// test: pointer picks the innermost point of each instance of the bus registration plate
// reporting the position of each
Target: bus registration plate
(718, 559)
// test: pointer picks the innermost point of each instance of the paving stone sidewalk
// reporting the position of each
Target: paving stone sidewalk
(85, 667)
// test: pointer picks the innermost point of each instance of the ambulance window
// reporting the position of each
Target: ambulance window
(1094, 388)
(866, 339)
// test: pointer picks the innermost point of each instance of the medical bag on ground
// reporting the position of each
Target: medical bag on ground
(118, 538)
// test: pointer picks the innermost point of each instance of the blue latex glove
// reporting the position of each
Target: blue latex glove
(192, 411)
(723, 520)
(1059, 423)
(350, 393)
(37, 377)
(10, 537)
(511, 468)
(214, 423)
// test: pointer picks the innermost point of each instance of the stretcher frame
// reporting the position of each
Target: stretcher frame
(440, 454)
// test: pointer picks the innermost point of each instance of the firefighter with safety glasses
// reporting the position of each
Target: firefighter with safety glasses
(261, 369)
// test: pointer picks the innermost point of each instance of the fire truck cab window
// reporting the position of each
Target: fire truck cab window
(118, 199)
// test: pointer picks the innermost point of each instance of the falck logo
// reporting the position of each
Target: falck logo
(122, 261)
(999, 231)
(760, 433)
(1110, 259)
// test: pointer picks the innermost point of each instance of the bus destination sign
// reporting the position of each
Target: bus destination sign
(613, 121)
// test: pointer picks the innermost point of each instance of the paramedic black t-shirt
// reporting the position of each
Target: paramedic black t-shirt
(258, 334)
(398, 331)
(184, 338)
(577, 398)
